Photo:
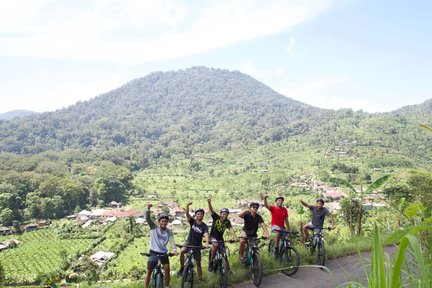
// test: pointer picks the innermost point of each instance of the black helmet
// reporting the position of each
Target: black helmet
(163, 216)
(320, 200)
(252, 204)
(280, 197)
(226, 210)
(199, 210)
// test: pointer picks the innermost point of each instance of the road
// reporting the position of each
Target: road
(342, 270)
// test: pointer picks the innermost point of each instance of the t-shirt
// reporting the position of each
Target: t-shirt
(318, 216)
(196, 232)
(159, 239)
(218, 227)
(251, 224)
(278, 215)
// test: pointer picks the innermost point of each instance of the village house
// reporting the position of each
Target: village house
(5, 230)
(30, 227)
(43, 223)
(334, 195)
(114, 204)
(132, 212)
(101, 257)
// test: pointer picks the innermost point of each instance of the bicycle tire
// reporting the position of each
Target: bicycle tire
(187, 276)
(290, 258)
(256, 269)
(271, 246)
(223, 271)
(158, 280)
(321, 253)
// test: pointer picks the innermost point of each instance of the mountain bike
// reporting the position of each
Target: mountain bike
(253, 259)
(317, 244)
(221, 264)
(157, 274)
(187, 279)
(288, 256)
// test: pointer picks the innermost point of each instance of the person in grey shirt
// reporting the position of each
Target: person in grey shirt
(159, 238)
(318, 216)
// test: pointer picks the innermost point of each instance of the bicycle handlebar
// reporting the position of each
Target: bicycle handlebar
(255, 238)
(191, 247)
(157, 255)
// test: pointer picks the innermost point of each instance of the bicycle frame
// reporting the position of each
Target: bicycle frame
(158, 269)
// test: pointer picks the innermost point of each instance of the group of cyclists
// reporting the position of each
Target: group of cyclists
(161, 235)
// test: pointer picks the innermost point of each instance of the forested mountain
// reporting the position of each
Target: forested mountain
(15, 114)
(172, 110)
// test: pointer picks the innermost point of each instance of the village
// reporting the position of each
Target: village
(86, 219)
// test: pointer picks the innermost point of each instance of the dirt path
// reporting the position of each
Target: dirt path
(342, 270)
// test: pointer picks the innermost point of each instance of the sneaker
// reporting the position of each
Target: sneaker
(243, 260)
(180, 272)
(210, 266)
(276, 253)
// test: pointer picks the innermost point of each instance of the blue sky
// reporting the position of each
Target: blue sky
(369, 55)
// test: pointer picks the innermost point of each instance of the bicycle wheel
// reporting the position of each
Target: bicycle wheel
(271, 247)
(256, 270)
(223, 271)
(187, 277)
(290, 260)
(158, 280)
(321, 253)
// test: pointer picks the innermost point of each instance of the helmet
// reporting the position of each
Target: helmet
(226, 210)
(199, 210)
(253, 204)
(163, 216)
(280, 197)
(320, 200)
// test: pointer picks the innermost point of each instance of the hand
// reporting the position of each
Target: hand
(149, 205)
(174, 252)
(209, 199)
(189, 203)
(265, 196)
(207, 246)
(236, 239)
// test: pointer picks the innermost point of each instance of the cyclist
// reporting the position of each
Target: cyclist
(198, 229)
(318, 216)
(159, 238)
(252, 221)
(220, 223)
(279, 219)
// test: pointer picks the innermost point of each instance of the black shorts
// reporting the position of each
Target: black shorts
(153, 260)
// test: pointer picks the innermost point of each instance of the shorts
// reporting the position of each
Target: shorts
(196, 252)
(153, 259)
(275, 228)
(312, 227)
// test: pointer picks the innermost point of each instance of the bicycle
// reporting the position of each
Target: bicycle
(253, 258)
(317, 244)
(187, 278)
(157, 274)
(220, 263)
(289, 256)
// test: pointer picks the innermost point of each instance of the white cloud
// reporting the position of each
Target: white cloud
(138, 31)
(290, 46)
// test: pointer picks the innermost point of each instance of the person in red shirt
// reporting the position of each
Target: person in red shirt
(279, 219)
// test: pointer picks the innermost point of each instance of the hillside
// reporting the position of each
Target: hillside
(15, 114)
(176, 110)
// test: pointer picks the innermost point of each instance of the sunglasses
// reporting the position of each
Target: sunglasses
(255, 207)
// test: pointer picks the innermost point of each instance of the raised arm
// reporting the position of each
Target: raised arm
(210, 205)
(265, 202)
(243, 213)
(187, 211)
(148, 218)
(305, 204)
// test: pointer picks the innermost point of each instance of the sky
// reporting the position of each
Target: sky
(366, 55)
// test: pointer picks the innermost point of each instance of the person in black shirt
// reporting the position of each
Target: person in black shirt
(318, 215)
(220, 224)
(252, 220)
(198, 229)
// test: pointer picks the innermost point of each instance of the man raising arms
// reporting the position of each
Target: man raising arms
(252, 221)
(318, 216)
(198, 229)
(159, 238)
(220, 224)
(279, 220)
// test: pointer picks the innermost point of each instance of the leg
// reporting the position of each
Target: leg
(199, 270)
(166, 268)
(183, 251)
(277, 240)
(148, 276)
(305, 234)
(242, 248)
(213, 251)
